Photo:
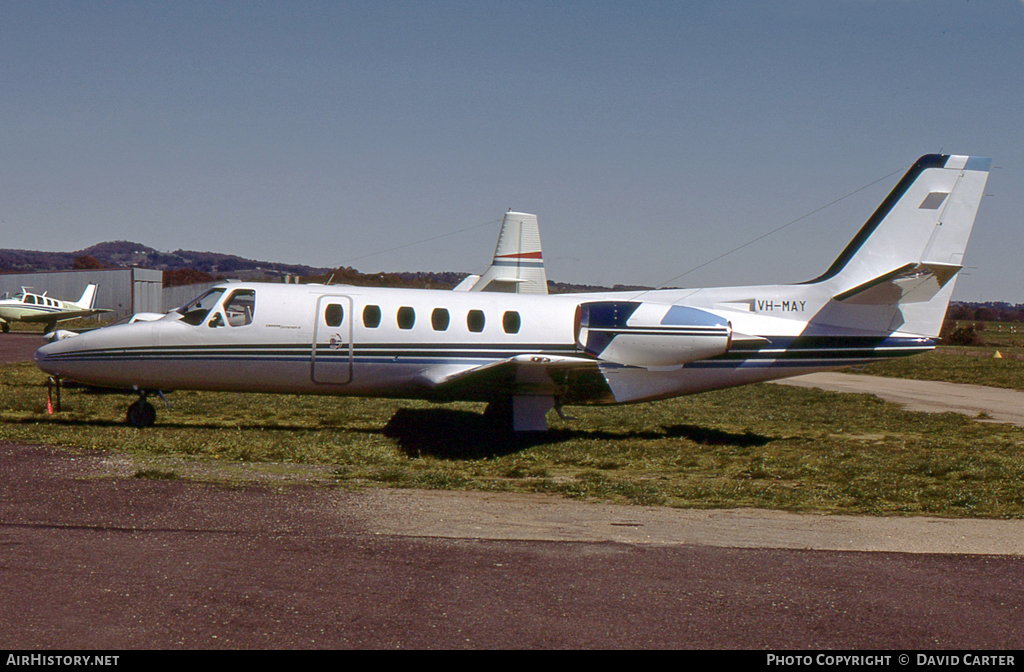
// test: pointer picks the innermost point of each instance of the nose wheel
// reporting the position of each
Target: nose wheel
(141, 413)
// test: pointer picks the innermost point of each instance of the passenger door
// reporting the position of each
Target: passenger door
(332, 340)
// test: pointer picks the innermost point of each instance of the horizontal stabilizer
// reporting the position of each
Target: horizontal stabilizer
(508, 281)
(466, 284)
(912, 283)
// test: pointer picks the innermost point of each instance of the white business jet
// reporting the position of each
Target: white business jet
(884, 296)
(28, 307)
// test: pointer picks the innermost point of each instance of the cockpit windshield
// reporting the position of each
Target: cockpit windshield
(196, 310)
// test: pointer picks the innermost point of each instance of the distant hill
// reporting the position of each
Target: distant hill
(123, 253)
(183, 267)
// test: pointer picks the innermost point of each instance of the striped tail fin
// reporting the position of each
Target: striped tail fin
(518, 265)
(88, 297)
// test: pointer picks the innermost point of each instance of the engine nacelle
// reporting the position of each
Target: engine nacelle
(651, 335)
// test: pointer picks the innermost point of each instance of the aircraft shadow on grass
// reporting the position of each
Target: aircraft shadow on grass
(458, 435)
(451, 434)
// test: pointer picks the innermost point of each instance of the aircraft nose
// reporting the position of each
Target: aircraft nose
(48, 358)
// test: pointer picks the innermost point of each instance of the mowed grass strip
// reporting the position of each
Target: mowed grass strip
(973, 366)
(764, 446)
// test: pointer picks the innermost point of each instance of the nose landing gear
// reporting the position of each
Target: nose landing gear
(141, 413)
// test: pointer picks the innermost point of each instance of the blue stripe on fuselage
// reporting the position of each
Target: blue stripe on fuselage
(782, 351)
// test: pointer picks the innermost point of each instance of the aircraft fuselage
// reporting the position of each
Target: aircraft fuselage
(431, 344)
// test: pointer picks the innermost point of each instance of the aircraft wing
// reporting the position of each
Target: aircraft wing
(64, 315)
(526, 374)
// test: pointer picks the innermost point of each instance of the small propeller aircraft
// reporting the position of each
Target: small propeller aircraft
(28, 307)
(884, 296)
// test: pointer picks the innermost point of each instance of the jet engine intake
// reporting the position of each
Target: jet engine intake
(648, 334)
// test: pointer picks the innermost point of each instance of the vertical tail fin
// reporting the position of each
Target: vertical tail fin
(518, 265)
(88, 297)
(926, 218)
(906, 257)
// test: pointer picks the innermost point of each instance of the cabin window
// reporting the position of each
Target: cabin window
(30, 299)
(439, 319)
(240, 307)
(371, 317)
(510, 322)
(334, 315)
(406, 317)
(475, 321)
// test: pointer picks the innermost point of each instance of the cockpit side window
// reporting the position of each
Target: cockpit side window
(196, 310)
(240, 307)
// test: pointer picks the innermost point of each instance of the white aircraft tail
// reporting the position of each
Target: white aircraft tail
(88, 297)
(518, 265)
(904, 260)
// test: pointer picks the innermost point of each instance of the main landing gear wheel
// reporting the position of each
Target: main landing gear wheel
(141, 414)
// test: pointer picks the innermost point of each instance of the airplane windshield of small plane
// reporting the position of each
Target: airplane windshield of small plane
(196, 311)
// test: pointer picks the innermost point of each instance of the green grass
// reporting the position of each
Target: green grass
(763, 446)
(975, 366)
(82, 323)
(999, 334)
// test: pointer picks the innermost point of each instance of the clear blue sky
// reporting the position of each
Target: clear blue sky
(648, 137)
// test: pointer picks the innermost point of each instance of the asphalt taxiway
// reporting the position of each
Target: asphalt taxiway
(93, 559)
(19, 347)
